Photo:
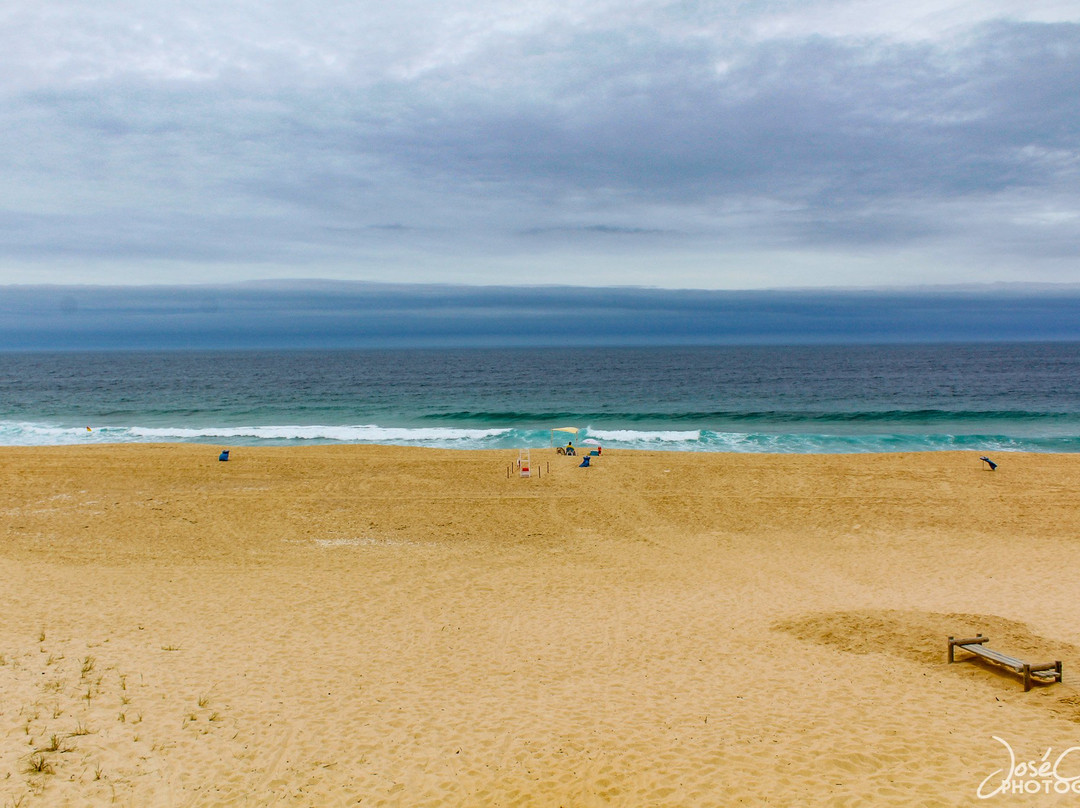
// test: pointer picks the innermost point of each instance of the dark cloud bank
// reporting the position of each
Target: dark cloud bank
(358, 315)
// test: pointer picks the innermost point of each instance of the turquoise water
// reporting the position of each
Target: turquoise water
(985, 397)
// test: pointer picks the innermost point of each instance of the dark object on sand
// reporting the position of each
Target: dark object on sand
(989, 462)
(224, 455)
(1046, 671)
(584, 464)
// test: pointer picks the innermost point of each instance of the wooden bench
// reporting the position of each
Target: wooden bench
(1047, 671)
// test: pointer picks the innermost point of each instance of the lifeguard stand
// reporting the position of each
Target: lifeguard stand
(524, 466)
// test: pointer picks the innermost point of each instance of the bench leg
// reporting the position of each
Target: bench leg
(1027, 678)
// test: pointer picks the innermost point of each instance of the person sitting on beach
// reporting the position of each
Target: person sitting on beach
(570, 448)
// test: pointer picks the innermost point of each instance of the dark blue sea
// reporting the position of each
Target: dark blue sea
(810, 399)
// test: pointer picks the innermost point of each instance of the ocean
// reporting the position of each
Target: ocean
(809, 399)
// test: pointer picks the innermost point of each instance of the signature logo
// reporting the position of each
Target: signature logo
(1045, 775)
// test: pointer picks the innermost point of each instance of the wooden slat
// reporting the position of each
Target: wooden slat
(1049, 671)
(968, 640)
(1046, 673)
(996, 656)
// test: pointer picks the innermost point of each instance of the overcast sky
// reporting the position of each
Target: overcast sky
(694, 144)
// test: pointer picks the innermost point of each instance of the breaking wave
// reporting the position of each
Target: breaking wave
(21, 433)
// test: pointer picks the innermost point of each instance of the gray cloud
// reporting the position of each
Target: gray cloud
(356, 144)
(329, 315)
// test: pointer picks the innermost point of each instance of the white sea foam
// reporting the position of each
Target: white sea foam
(636, 436)
(23, 433)
(366, 433)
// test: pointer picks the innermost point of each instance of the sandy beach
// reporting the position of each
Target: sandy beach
(356, 625)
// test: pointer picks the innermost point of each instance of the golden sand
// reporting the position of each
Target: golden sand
(405, 627)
